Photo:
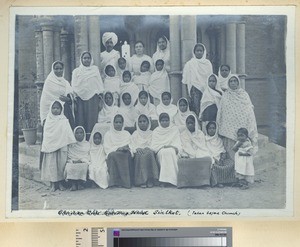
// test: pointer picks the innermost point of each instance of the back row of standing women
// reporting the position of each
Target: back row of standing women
(232, 111)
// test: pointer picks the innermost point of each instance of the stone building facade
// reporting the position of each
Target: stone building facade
(254, 47)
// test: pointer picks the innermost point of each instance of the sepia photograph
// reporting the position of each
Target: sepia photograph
(173, 110)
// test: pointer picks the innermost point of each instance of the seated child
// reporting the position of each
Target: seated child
(127, 110)
(243, 159)
(223, 76)
(122, 66)
(145, 165)
(98, 168)
(127, 85)
(112, 82)
(210, 101)
(166, 105)
(159, 82)
(78, 159)
(145, 107)
(223, 168)
(57, 136)
(183, 111)
(142, 80)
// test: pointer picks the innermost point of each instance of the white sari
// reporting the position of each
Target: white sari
(164, 55)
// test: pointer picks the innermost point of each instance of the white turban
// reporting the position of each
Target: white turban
(109, 35)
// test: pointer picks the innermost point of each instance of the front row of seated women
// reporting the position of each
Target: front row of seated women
(145, 158)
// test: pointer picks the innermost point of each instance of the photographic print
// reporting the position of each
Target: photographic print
(151, 112)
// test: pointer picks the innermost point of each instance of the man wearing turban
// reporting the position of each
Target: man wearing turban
(110, 55)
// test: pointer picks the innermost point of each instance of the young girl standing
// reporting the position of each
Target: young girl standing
(127, 85)
(210, 101)
(98, 168)
(223, 76)
(117, 149)
(127, 110)
(57, 136)
(78, 159)
(143, 78)
(195, 74)
(145, 165)
(159, 82)
(112, 82)
(167, 145)
(182, 113)
(243, 159)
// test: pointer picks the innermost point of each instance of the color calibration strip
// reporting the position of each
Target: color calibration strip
(91, 237)
(171, 242)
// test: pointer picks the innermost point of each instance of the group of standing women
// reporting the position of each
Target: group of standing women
(205, 127)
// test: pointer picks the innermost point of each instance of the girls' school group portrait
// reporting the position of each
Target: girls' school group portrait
(117, 125)
(151, 108)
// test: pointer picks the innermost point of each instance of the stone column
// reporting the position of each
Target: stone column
(222, 45)
(175, 57)
(81, 36)
(65, 54)
(48, 48)
(56, 43)
(188, 41)
(241, 47)
(94, 38)
(39, 71)
(231, 46)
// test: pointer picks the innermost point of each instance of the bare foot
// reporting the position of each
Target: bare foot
(143, 186)
(74, 187)
(53, 187)
(150, 184)
(61, 187)
(80, 187)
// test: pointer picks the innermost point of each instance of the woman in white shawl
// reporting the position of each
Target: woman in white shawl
(223, 168)
(194, 169)
(78, 159)
(145, 165)
(56, 87)
(183, 111)
(112, 82)
(145, 107)
(98, 168)
(166, 105)
(119, 158)
(110, 55)
(159, 81)
(57, 136)
(167, 145)
(88, 86)
(127, 110)
(223, 76)
(127, 85)
(195, 73)
(107, 109)
(210, 101)
(236, 111)
(163, 52)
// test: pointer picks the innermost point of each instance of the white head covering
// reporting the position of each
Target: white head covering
(141, 138)
(130, 87)
(223, 81)
(214, 143)
(57, 131)
(107, 112)
(148, 109)
(196, 71)
(159, 83)
(79, 150)
(194, 143)
(86, 80)
(109, 35)
(114, 139)
(128, 112)
(180, 116)
(166, 136)
(210, 96)
(170, 109)
(53, 88)
(163, 54)
(112, 84)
